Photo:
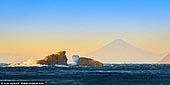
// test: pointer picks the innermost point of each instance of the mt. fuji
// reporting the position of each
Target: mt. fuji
(119, 51)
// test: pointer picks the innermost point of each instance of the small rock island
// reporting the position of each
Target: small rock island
(83, 61)
(56, 58)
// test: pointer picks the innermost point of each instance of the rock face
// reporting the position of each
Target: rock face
(88, 62)
(56, 58)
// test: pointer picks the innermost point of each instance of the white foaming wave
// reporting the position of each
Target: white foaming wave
(75, 59)
(27, 63)
(32, 63)
(60, 65)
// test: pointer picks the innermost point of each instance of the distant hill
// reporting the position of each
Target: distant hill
(11, 58)
(166, 59)
(119, 51)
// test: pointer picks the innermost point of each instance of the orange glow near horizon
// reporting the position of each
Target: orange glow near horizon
(75, 47)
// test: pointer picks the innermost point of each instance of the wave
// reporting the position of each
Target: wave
(27, 63)
(31, 63)
(4, 64)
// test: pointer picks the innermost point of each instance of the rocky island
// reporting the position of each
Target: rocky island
(61, 59)
(55, 58)
(83, 61)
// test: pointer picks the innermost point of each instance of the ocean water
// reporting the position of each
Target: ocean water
(110, 74)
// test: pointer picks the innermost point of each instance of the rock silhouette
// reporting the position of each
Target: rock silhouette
(56, 58)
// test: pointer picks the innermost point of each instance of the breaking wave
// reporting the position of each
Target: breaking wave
(27, 63)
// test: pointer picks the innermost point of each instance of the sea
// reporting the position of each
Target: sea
(109, 74)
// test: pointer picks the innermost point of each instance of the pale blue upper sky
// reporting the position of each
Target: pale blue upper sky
(45, 20)
(76, 14)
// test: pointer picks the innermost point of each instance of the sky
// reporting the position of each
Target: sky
(39, 27)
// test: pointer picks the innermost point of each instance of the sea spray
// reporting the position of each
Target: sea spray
(27, 63)
(32, 63)
(75, 59)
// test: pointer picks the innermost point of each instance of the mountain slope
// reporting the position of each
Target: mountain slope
(11, 58)
(119, 51)
(166, 59)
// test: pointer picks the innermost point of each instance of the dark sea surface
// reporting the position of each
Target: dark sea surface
(110, 74)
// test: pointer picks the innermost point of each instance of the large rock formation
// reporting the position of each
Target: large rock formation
(83, 61)
(56, 58)
(88, 62)
(61, 59)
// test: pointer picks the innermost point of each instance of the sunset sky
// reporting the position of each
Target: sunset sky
(39, 27)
